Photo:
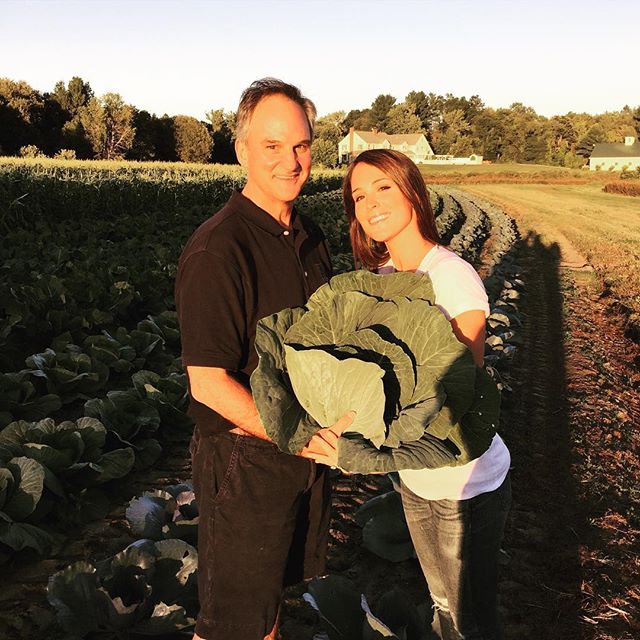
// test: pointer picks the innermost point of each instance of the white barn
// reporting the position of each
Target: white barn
(616, 157)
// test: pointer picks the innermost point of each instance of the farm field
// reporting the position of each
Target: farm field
(512, 173)
(604, 228)
(88, 335)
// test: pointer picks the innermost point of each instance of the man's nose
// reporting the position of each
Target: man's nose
(290, 160)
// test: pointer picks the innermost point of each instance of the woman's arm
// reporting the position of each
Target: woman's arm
(469, 328)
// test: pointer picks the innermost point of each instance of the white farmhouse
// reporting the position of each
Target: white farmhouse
(615, 157)
(414, 145)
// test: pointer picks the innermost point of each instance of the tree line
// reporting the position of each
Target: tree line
(71, 122)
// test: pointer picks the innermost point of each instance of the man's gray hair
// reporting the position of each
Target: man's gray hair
(263, 88)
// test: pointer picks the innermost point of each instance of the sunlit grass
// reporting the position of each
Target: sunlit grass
(604, 227)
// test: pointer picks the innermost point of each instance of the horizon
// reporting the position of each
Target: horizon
(158, 60)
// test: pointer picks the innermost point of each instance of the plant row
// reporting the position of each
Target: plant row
(65, 189)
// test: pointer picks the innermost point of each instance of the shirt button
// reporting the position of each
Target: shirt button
(305, 273)
(285, 232)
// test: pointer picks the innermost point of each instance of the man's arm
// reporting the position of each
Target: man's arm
(221, 392)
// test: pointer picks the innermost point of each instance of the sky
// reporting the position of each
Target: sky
(191, 56)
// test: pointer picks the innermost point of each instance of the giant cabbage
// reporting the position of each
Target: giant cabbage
(377, 345)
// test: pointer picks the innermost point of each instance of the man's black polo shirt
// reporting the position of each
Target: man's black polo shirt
(238, 267)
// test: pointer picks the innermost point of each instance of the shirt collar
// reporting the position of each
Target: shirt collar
(260, 218)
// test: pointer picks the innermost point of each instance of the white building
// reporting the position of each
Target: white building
(615, 157)
(414, 145)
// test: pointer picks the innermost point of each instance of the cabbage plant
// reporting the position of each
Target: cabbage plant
(22, 484)
(346, 614)
(149, 588)
(20, 400)
(377, 345)
(73, 451)
(169, 513)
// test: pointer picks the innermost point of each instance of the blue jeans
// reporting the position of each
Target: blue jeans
(457, 543)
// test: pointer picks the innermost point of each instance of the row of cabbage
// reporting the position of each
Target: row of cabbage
(166, 519)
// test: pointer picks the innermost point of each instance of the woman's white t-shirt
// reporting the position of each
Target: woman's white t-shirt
(457, 289)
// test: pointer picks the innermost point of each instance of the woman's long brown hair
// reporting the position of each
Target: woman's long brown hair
(404, 173)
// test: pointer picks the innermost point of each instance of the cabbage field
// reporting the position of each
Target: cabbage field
(93, 424)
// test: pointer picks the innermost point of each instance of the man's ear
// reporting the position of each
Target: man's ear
(241, 152)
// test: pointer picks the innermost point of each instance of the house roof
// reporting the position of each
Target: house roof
(616, 150)
(397, 138)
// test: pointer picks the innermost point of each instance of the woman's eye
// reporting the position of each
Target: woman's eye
(358, 198)
(384, 187)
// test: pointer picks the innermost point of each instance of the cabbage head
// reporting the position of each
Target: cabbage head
(379, 346)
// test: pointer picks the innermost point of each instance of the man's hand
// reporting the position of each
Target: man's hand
(323, 447)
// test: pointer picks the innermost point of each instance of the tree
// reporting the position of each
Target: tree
(519, 123)
(222, 128)
(636, 121)
(403, 119)
(455, 130)
(359, 119)
(21, 109)
(594, 136)
(324, 152)
(427, 107)
(561, 139)
(380, 109)
(193, 141)
(331, 127)
(74, 96)
(108, 123)
(488, 130)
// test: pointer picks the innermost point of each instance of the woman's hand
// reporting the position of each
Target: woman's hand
(323, 447)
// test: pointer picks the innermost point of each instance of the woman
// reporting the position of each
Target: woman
(456, 515)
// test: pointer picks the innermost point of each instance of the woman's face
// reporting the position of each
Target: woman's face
(381, 209)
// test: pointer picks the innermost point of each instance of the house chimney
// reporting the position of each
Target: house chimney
(629, 141)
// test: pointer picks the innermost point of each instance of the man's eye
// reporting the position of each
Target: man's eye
(272, 146)
(302, 148)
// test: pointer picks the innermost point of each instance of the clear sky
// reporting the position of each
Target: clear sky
(192, 56)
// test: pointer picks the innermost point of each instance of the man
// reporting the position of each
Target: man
(263, 514)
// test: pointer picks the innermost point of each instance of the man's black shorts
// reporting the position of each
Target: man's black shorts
(264, 521)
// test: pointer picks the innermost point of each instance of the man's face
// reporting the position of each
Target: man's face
(276, 152)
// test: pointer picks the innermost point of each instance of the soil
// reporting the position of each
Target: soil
(571, 566)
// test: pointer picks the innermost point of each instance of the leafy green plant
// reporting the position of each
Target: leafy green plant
(130, 422)
(22, 482)
(346, 614)
(379, 346)
(69, 373)
(168, 513)
(170, 397)
(149, 588)
(384, 527)
(20, 400)
(72, 451)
